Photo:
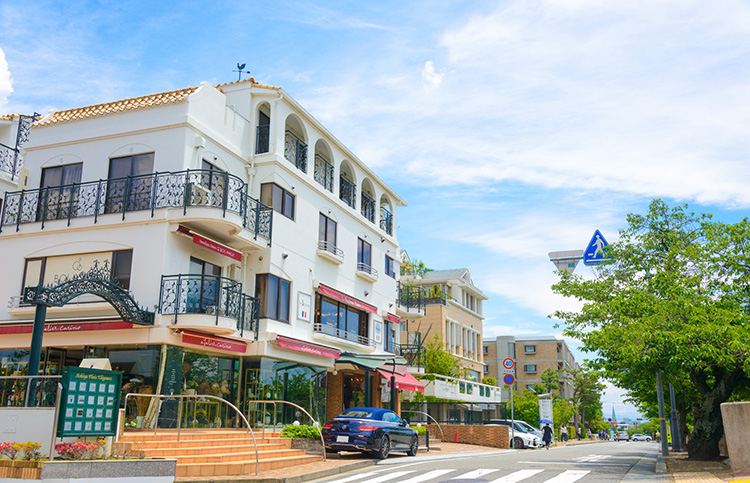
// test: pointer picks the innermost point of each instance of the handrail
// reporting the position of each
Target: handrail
(30, 387)
(315, 423)
(442, 436)
(179, 415)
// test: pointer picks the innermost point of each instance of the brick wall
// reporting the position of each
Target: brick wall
(493, 436)
(334, 395)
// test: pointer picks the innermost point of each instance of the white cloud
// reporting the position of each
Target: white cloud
(430, 78)
(6, 82)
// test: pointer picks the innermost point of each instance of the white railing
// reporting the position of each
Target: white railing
(460, 389)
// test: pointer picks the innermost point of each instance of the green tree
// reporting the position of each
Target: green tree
(674, 297)
(587, 392)
(415, 268)
(525, 407)
(551, 380)
(438, 360)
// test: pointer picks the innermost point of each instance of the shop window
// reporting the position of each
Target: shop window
(390, 267)
(279, 199)
(390, 335)
(129, 185)
(273, 293)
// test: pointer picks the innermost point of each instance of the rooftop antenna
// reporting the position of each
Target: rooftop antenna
(240, 70)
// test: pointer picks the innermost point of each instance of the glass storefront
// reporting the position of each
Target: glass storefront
(273, 379)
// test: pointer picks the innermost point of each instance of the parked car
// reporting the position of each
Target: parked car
(524, 435)
(640, 437)
(622, 436)
(371, 430)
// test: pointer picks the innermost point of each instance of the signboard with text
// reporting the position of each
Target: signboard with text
(90, 400)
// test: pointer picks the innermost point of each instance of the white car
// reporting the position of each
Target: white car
(522, 437)
(640, 437)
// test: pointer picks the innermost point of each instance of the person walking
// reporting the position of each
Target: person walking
(563, 434)
(547, 435)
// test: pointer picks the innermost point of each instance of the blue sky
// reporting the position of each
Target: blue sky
(511, 128)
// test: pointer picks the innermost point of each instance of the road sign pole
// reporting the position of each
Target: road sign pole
(512, 418)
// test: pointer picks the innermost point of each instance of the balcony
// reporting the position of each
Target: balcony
(10, 162)
(324, 172)
(386, 220)
(216, 190)
(413, 353)
(411, 301)
(347, 190)
(460, 389)
(295, 151)
(366, 272)
(330, 252)
(208, 302)
(331, 331)
(262, 137)
(368, 207)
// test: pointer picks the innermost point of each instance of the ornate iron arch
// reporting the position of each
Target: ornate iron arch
(97, 281)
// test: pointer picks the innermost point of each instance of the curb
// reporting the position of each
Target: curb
(314, 475)
(661, 465)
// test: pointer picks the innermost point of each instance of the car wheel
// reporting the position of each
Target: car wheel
(413, 447)
(517, 443)
(385, 448)
(648, 440)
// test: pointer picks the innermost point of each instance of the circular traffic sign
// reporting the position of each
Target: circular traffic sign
(508, 379)
(508, 363)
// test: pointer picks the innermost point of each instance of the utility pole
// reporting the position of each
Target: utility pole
(662, 422)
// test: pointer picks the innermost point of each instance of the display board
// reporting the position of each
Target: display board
(90, 400)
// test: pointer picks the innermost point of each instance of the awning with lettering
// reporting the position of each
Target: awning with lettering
(347, 299)
(404, 381)
(213, 341)
(307, 347)
(393, 318)
(211, 244)
(73, 327)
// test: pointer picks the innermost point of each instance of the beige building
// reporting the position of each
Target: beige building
(533, 356)
(453, 313)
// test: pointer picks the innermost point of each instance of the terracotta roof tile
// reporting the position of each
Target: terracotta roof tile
(250, 80)
(118, 106)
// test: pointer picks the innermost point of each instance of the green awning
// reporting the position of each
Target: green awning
(370, 361)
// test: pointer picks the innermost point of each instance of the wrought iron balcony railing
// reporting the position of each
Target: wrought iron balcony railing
(330, 248)
(181, 189)
(413, 353)
(368, 206)
(210, 295)
(262, 137)
(295, 151)
(347, 190)
(324, 172)
(410, 296)
(386, 220)
(366, 268)
(343, 334)
(10, 157)
(436, 300)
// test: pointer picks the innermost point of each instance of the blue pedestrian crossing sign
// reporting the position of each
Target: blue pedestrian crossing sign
(594, 254)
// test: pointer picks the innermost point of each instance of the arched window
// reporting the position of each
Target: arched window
(295, 148)
(263, 130)
(347, 186)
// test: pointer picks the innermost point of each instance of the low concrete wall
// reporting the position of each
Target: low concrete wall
(493, 436)
(735, 417)
(27, 424)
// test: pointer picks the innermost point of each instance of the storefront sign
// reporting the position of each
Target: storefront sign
(214, 342)
(308, 347)
(304, 306)
(26, 329)
(217, 247)
(89, 403)
(393, 318)
(347, 299)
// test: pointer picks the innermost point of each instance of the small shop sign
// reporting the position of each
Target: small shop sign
(90, 400)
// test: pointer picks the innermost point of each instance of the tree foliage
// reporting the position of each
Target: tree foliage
(674, 297)
(438, 360)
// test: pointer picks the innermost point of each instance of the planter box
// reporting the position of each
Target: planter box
(23, 470)
(310, 445)
(142, 471)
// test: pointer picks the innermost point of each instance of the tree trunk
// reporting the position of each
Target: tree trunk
(708, 428)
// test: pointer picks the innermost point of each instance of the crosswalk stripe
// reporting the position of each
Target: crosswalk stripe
(475, 474)
(353, 478)
(429, 476)
(568, 476)
(390, 476)
(517, 476)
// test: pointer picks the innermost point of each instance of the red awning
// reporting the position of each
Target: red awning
(347, 299)
(404, 381)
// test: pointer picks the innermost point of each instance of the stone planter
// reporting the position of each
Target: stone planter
(21, 469)
(310, 445)
(422, 440)
(144, 471)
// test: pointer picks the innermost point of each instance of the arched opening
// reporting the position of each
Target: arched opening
(323, 165)
(263, 129)
(386, 215)
(295, 145)
(347, 185)
(367, 201)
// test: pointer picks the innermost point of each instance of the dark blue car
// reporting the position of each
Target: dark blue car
(373, 430)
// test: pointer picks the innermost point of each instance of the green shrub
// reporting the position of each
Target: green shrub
(420, 429)
(301, 431)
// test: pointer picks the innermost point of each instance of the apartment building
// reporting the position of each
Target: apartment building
(533, 356)
(255, 255)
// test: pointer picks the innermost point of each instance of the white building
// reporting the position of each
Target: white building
(170, 194)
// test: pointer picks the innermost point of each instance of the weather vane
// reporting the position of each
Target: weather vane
(240, 70)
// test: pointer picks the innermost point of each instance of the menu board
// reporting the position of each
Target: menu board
(89, 403)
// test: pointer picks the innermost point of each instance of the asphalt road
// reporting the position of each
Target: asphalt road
(602, 462)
